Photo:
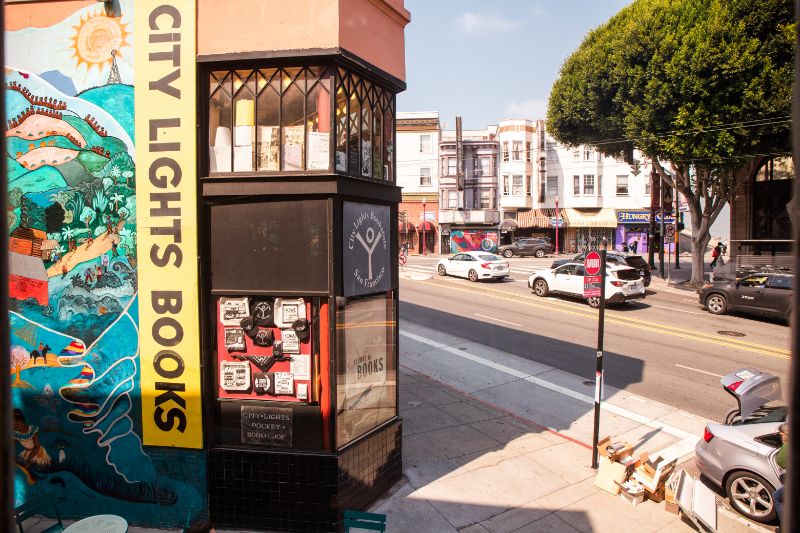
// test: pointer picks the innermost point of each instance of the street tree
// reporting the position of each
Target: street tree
(701, 87)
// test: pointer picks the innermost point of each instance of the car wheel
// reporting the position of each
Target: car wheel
(508, 253)
(593, 301)
(539, 253)
(751, 495)
(442, 270)
(717, 304)
(540, 287)
(473, 276)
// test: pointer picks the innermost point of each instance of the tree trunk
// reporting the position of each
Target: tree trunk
(699, 244)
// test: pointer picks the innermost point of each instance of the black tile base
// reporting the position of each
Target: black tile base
(285, 491)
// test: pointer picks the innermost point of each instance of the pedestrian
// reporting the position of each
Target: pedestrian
(715, 255)
(625, 249)
(634, 246)
(780, 459)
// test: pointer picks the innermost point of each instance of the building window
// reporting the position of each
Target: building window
(485, 166)
(452, 199)
(576, 154)
(505, 150)
(600, 185)
(486, 199)
(425, 177)
(517, 146)
(506, 188)
(516, 188)
(588, 153)
(576, 185)
(552, 186)
(527, 185)
(424, 144)
(442, 200)
(528, 151)
(588, 184)
(451, 166)
(542, 189)
(622, 185)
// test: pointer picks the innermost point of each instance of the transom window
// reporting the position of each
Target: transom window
(296, 119)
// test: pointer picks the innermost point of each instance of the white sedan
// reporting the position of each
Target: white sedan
(473, 266)
(622, 283)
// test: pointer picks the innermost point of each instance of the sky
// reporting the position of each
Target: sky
(489, 61)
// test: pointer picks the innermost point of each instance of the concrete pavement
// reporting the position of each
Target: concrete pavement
(497, 443)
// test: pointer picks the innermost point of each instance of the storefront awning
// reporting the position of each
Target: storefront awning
(405, 227)
(541, 218)
(426, 226)
(591, 218)
(509, 225)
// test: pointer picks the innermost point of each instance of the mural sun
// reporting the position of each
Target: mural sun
(96, 37)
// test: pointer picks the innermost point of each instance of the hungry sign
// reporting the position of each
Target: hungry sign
(592, 280)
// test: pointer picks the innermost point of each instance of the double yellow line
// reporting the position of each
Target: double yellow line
(618, 318)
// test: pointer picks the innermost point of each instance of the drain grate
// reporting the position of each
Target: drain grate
(729, 333)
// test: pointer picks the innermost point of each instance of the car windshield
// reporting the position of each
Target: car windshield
(627, 274)
(489, 257)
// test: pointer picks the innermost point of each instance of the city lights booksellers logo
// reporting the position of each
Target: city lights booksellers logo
(366, 254)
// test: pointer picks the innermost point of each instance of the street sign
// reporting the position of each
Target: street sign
(557, 222)
(592, 280)
(669, 232)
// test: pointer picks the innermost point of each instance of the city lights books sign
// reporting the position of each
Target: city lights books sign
(366, 249)
(166, 107)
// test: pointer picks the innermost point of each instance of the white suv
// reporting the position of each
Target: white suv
(622, 283)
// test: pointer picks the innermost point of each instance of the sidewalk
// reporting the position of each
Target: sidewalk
(497, 443)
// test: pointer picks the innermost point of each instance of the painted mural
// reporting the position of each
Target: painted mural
(73, 277)
(473, 241)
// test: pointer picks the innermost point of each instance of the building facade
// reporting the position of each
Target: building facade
(418, 136)
(203, 226)
(468, 203)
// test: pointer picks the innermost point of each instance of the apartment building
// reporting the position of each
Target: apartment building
(468, 210)
(418, 137)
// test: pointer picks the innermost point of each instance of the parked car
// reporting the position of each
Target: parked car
(741, 460)
(623, 283)
(535, 247)
(739, 455)
(473, 266)
(764, 294)
(613, 258)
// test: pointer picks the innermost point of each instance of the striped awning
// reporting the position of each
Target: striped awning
(540, 218)
(405, 227)
(591, 218)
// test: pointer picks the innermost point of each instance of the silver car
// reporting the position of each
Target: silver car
(739, 455)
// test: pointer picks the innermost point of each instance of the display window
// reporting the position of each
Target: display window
(264, 348)
(366, 367)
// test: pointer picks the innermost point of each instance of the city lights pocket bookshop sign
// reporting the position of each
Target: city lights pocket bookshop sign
(165, 93)
(366, 249)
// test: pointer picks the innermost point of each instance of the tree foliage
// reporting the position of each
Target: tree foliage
(704, 85)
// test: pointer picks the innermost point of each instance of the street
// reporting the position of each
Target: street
(665, 348)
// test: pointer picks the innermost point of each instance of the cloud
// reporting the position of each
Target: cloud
(530, 109)
(485, 24)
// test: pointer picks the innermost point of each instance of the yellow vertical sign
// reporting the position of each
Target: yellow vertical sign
(166, 148)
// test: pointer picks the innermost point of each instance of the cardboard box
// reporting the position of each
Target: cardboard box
(653, 474)
(672, 507)
(632, 492)
(609, 475)
(623, 449)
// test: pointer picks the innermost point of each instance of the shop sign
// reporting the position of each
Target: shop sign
(271, 426)
(640, 217)
(166, 154)
(557, 222)
(366, 249)
(592, 279)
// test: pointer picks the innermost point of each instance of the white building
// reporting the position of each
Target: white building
(418, 137)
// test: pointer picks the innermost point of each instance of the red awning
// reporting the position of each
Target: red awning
(405, 227)
(426, 226)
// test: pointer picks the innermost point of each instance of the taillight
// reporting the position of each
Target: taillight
(707, 435)
(735, 385)
(617, 283)
(486, 265)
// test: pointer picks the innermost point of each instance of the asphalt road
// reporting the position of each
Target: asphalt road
(665, 347)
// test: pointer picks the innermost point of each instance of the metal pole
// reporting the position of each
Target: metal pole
(661, 240)
(558, 223)
(791, 517)
(677, 233)
(598, 375)
(651, 235)
(423, 227)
